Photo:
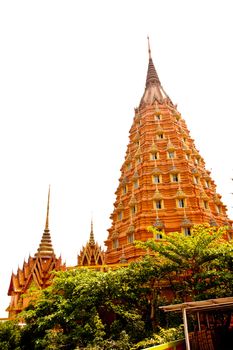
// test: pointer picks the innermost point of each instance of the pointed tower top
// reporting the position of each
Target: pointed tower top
(152, 76)
(154, 91)
(149, 47)
(45, 247)
(92, 239)
(47, 215)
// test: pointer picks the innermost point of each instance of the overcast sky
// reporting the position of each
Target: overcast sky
(71, 73)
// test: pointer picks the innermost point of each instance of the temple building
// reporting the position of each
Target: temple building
(163, 182)
(35, 273)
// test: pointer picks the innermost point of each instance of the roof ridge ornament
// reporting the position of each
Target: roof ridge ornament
(149, 50)
(47, 214)
(92, 239)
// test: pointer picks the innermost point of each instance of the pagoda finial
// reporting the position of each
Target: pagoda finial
(149, 46)
(92, 239)
(154, 91)
(152, 76)
(47, 214)
(45, 247)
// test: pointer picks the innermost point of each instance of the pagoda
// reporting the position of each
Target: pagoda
(36, 273)
(163, 182)
(91, 254)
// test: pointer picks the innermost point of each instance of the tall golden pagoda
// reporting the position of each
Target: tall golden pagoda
(163, 182)
(35, 273)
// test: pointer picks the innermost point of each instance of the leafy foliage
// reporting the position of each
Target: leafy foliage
(163, 336)
(197, 266)
(87, 308)
(9, 336)
(119, 309)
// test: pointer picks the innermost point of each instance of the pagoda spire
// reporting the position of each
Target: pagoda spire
(154, 91)
(47, 215)
(92, 239)
(45, 247)
(152, 76)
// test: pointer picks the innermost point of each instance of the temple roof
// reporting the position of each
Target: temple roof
(154, 91)
(91, 254)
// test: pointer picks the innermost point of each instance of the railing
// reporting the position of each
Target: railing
(174, 345)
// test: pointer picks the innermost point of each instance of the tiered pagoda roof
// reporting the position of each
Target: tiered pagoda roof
(163, 182)
(36, 273)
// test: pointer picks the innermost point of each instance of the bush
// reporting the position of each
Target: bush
(163, 336)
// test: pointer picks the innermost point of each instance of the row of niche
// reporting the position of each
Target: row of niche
(190, 154)
(185, 225)
(174, 175)
(160, 130)
(158, 203)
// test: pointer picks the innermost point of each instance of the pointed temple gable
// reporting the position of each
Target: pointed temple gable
(172, 190)
(91, 254)
(36, 272)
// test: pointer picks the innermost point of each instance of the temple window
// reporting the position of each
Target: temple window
(120, 215)
(171, 154)
(128, 166)
(159, 233)
(154, 156)
(158, 204)
(195, 180)
(160, 136)
(138, 160)
(187, 156)
(158, 117)
(186, 231)
(131, 237)
(115, 243)
(174, 177)
(218, 209)
(124, 189)
(205, 204)
(135, 184)
(181, 203)
(157, 179)
(207, 184)
(133, 209)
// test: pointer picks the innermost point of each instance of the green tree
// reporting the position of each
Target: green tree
(9, 336)
(89, 308)
(196, 266)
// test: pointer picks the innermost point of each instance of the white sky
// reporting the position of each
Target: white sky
(71, 73)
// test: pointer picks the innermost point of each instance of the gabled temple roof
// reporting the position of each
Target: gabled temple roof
(91, 254)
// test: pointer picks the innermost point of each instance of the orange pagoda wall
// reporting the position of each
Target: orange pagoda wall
(163, 182)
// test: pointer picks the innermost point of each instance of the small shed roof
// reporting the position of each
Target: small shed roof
(202, 305)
